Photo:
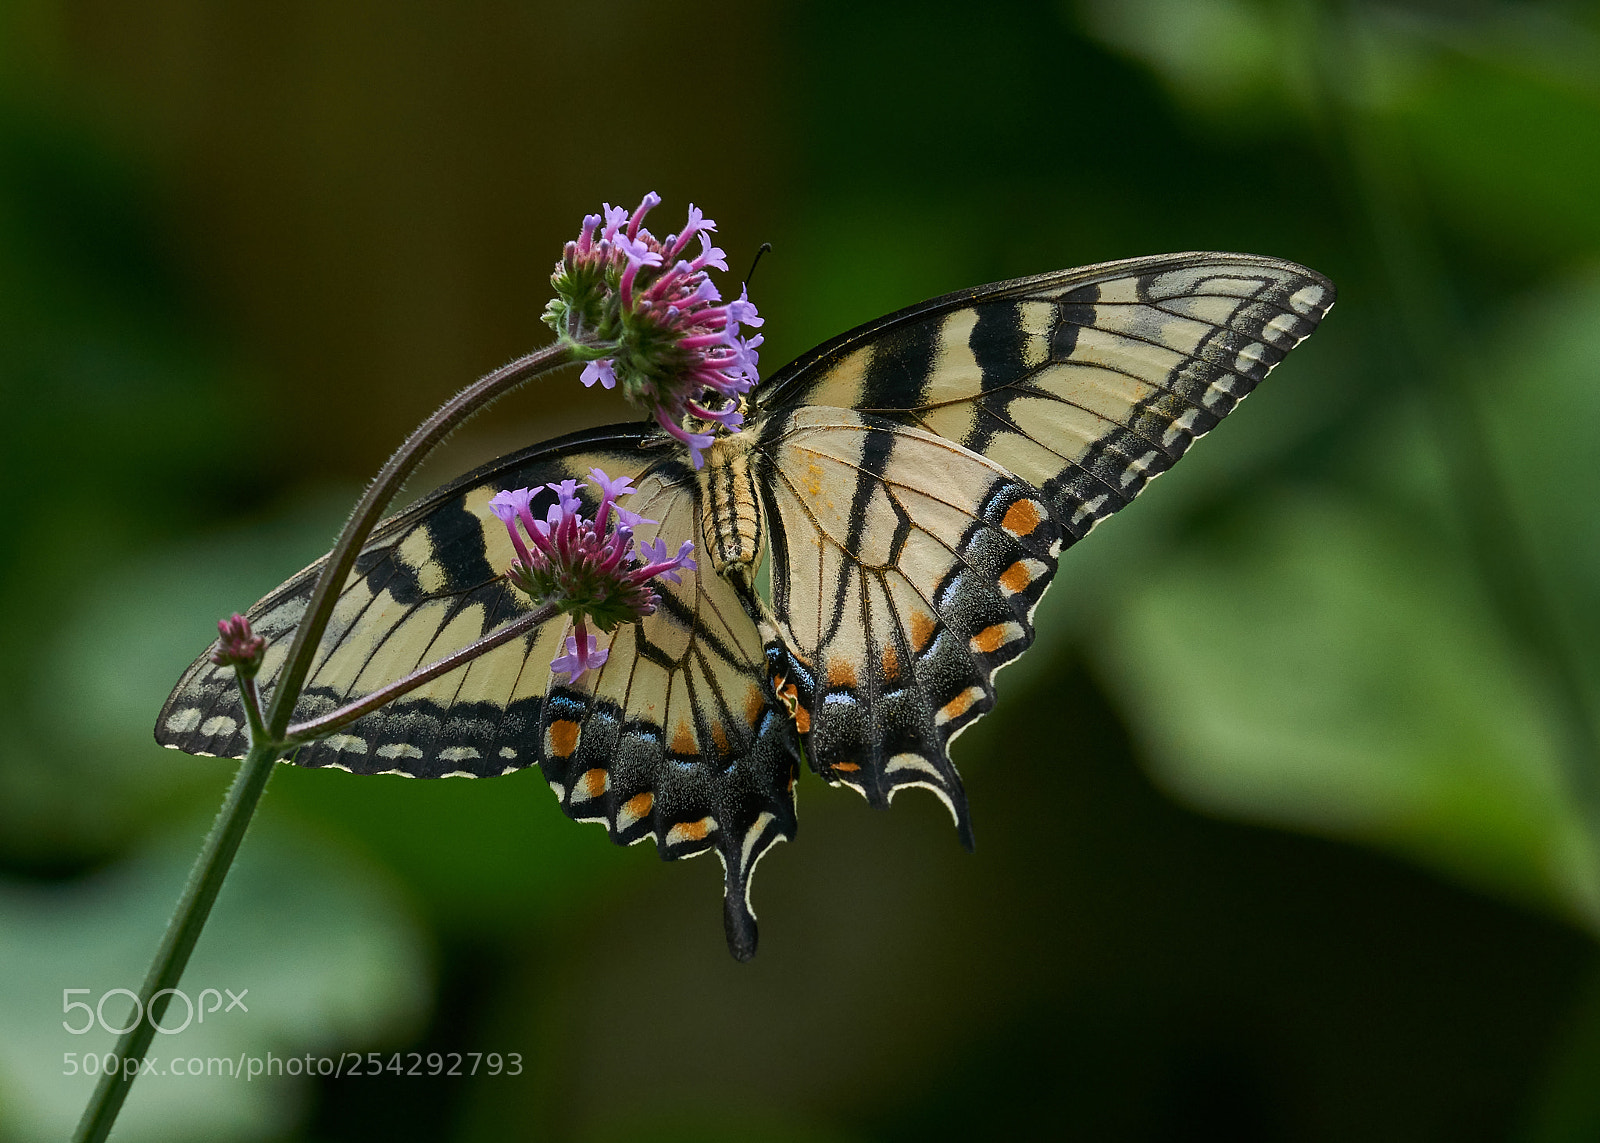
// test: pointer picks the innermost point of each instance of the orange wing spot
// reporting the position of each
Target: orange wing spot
(690, 831)
(720, 737)
(595, 782)
(637, 807)
(683, 740)
(891, 662)
(563, 737)
(959, 705)
(923, 628)
(991, 639)
(1021, 518)
(754, 704)
(841, 673)
(802, 719)
(1016, 577)
(846, 767)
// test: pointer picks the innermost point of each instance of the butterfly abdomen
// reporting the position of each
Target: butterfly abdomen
(731, 519)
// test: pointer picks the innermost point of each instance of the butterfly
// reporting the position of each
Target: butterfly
(871, 550)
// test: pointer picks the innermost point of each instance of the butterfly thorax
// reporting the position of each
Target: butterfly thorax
(731, 516)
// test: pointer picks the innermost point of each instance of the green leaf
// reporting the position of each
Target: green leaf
(1337, 673)
(330, 956)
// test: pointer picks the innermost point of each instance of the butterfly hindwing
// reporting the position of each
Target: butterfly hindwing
(906, 569)
(676, 736)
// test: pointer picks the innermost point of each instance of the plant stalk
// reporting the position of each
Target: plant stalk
(325, 725)
(269, 732)
(205, 880)
(369, 510)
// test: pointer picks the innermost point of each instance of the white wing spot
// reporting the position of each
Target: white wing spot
(507, 752)
(220, 724)
(912, 762)
(459, 754)
(754, 836)
(1307, 299)
(1250, 356)
(354, 743)
(179, 722)
(1221, 387)
(1088, 508)
(1282, 328)
(1183, 426)
(399, 750)
(1136, 469)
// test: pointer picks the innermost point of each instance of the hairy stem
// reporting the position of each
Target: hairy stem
(370, 510)
(321, 727)
(269, 733)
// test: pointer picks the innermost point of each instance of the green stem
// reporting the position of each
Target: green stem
(336, 568)
(269, 739)
(205, 879)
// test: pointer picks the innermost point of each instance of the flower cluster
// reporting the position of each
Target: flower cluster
(587, 568)
(238, 646)
(645, 315)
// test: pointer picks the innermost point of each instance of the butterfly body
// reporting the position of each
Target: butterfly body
(731, 531)
(909, 488)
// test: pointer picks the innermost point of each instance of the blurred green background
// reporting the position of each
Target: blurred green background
(1289, 828)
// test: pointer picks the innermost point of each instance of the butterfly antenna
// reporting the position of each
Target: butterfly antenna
(766, 247)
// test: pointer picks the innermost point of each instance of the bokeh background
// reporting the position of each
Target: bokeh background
(1289, 827)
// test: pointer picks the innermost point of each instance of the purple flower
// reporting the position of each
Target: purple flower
(598, 371)
(580, 657)
(645, 314)
(590, 569)
(239, 647)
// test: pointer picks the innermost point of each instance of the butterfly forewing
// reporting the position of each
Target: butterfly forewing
(1087, 383)
(427, 583)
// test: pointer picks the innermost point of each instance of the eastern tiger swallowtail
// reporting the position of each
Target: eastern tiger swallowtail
(912, 483)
